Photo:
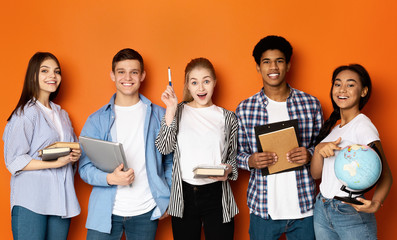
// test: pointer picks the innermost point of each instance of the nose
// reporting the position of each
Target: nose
(274, 65)
(201, 86)
(52, 74)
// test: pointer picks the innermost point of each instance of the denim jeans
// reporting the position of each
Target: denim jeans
(27, 224)
(269, 229)
(336, 220)
(136, 227)
(203, 208)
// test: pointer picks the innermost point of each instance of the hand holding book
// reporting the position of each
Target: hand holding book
(216, 172)
(228, 170)
(60, 149)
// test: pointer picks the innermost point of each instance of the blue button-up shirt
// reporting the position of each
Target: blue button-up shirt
(48, 191)
(252, 112)
(100, 125)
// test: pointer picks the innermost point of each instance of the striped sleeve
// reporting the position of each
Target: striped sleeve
(166, 139)
(231, 127)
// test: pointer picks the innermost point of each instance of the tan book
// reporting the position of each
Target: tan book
(204, 171)
(72, 145)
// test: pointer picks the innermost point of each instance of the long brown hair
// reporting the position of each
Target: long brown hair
(31, 87)
(196, 63)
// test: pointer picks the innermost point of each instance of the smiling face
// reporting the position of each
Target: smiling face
(49, 78)
(127, 76)
(347, 90)
(273, 68)
(201, 86)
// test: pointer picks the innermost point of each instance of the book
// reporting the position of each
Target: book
(57, 149)
(105, 155)
(204, 171)
(280, 138)
(72, 145)
(48, 154)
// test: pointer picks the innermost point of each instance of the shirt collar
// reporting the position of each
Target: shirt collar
(264, 99)
(141, 97)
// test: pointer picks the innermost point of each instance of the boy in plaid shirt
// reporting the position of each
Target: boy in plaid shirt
(283, 202)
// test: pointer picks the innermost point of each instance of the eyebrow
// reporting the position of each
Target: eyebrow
(44, 66)
(208, 76)
(276, 58)
(349, 80)
(134, 69)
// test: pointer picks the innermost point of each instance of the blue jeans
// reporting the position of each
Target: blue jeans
(136, 227)
(294, 229)
(27, 224)
(336, 220)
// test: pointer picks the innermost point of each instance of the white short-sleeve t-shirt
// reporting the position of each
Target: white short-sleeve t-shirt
(360, 130)
(282, 192)
(201, 140)
(136, 199)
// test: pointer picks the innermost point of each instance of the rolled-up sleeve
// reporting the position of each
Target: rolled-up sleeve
(17, 139)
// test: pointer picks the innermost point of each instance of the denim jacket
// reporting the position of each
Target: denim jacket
(100, 125)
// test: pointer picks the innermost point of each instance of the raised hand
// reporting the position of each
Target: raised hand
(169, 97)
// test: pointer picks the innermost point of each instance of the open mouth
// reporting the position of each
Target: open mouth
(273, 75)
(202, 96)
(342, 97)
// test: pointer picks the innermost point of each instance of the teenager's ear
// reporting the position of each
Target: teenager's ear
(258, 68)
(112, 76)
(364, 92)
(143, 76)
(288, 66)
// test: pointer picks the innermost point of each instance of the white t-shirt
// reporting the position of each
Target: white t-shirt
(360, 130)
(136, 199)
(282, 195)
(55, 118)
(201, 139)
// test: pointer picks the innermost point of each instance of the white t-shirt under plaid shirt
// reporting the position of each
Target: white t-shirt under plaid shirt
(252, 112)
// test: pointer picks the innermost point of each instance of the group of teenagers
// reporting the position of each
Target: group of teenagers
(162, 146)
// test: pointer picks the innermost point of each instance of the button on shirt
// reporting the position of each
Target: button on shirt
(252, 112)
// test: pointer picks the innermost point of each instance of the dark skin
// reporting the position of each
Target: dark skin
(261, 160)
(276, 88)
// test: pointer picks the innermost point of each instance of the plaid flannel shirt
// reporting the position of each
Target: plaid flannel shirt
(252, 112)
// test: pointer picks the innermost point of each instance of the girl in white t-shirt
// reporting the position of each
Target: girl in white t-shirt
(199, 132)
(333, 219)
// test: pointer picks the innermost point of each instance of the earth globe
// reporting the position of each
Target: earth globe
(358, 168)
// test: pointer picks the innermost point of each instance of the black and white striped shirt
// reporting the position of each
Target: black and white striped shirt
(166, 142)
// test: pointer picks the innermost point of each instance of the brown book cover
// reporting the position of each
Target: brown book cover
(72, 145)
(204, 171)
(280, 137)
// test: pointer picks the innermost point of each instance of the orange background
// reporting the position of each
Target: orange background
(85, 35)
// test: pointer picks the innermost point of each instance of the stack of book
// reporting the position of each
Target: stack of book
(58, 149)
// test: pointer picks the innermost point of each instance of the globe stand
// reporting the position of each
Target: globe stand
(350, 198)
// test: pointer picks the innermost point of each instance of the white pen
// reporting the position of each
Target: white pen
(169, 76)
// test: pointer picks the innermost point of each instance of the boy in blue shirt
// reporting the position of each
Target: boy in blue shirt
(129, 201)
